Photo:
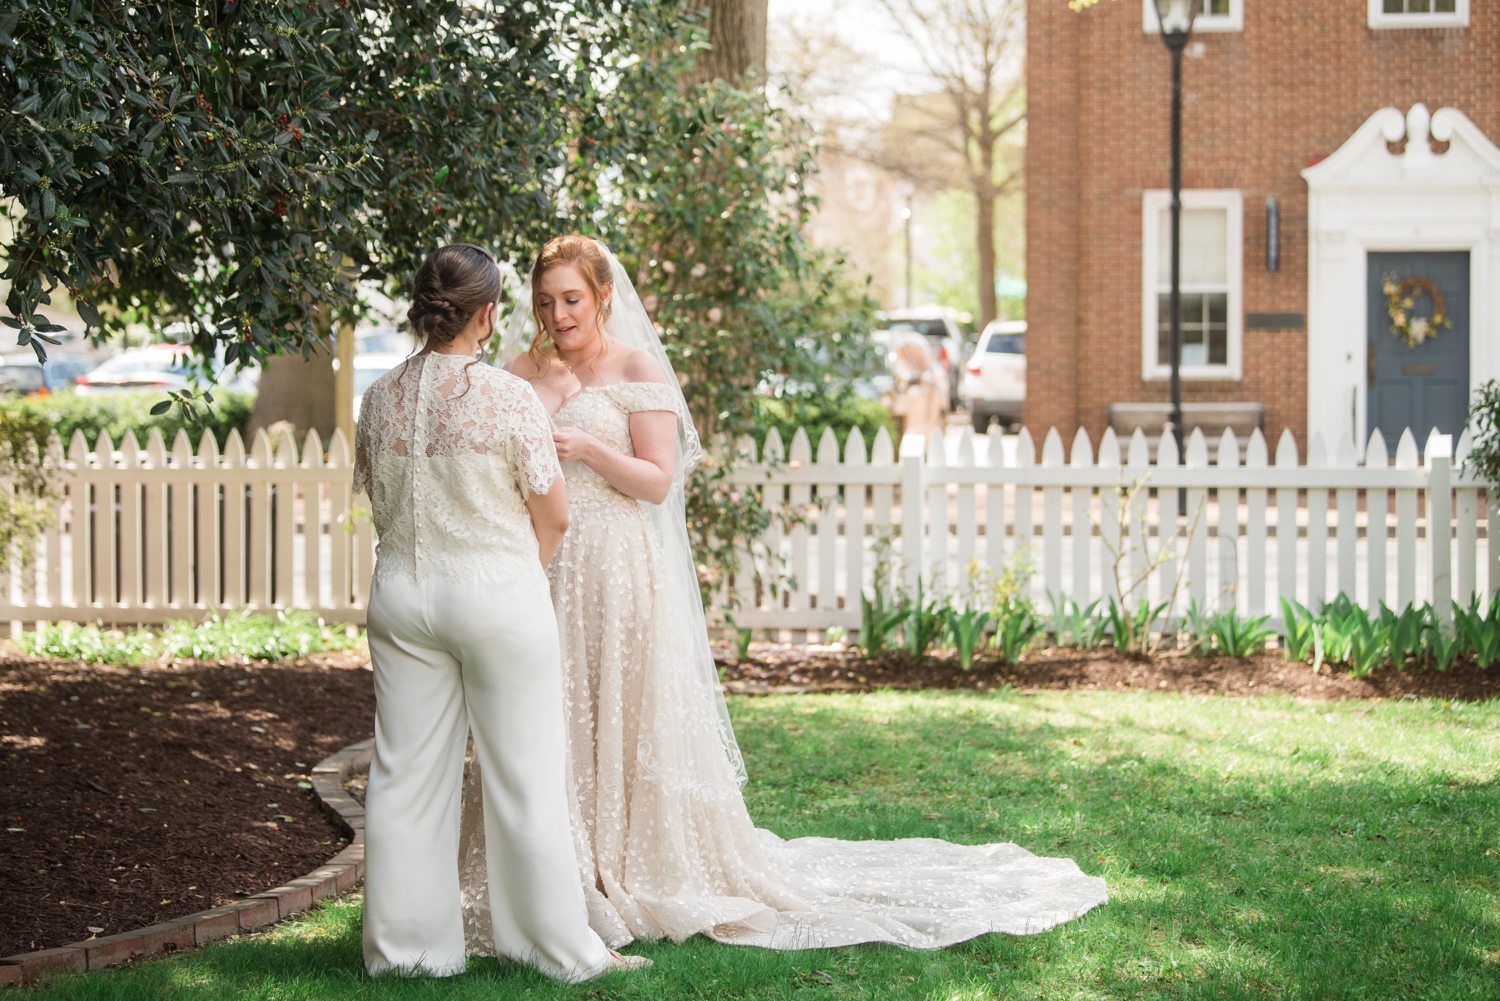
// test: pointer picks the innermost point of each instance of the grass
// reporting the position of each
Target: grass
(1254, 849)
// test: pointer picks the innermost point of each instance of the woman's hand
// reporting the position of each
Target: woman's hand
(574, 445)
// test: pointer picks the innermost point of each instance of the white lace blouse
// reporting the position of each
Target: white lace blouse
(447, 451)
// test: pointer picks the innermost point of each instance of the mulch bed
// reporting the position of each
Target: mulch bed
(131, 796)
(777, 668)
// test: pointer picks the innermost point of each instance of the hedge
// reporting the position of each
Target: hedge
(841, 411)
(120, 412)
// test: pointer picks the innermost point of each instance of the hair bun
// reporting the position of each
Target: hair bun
(452, 285)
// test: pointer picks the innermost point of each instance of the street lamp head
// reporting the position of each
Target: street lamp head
(1176, 18)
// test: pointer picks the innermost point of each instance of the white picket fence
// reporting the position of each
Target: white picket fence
(148, 535)
(1249, 531)
(145, 535)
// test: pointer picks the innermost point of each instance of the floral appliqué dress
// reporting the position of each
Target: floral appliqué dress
(665, 845)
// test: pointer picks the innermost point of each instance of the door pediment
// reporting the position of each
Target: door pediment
(1366, 160)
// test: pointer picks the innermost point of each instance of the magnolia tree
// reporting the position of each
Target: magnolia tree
(242, 167)
(238, 166)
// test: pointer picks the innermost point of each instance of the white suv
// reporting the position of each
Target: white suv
(995, 378)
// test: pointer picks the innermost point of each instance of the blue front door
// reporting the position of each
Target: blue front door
(1426, 386)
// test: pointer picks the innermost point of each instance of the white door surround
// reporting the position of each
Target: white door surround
(1365, 198)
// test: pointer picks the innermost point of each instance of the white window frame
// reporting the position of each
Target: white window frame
(1233, 21)
(1381, 21)
(1153, 202)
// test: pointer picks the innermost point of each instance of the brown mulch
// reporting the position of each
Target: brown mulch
(777, 668)
(134, 795)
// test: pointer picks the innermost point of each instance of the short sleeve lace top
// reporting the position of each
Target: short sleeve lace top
(447, 450)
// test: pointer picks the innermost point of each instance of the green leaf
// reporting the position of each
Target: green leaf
(160, 408)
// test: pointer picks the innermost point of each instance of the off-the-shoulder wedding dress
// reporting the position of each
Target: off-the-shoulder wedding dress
(665, 845)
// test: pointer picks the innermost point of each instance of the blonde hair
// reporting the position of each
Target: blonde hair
(589, 257)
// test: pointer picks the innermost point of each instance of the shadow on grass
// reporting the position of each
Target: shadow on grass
(1253, 848)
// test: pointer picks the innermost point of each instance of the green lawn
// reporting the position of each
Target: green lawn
(1254, 848)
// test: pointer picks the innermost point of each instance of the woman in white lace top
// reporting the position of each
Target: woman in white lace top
(458, 462)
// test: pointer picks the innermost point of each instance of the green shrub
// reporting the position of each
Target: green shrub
(291, 633)
(1300, 628)
(1238, 636)
(90, 644)
(1479, 633)
(840, 411)
(1077, 627)
(1016, 627)
(926, 622)
(131, 411)
(965, 630)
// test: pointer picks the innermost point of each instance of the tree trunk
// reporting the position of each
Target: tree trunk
(299, 392)
(737, 36)
(984, 206)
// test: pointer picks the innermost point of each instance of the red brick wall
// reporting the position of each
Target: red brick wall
(1259, 105)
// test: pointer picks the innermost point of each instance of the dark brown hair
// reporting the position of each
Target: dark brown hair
(453, 284)
(593, 265)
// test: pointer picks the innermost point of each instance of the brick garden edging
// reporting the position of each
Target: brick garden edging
(338, 875)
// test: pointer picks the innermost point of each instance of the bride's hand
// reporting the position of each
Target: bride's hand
(573, 445)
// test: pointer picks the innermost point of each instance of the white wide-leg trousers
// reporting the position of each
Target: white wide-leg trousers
(451, 656)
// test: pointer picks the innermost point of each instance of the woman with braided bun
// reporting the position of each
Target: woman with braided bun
(469, 503)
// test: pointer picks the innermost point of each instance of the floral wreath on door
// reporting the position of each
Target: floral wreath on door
(1401, 295)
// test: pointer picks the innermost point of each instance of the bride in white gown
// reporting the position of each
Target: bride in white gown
(666, 847)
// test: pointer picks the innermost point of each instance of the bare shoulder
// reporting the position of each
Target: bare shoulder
(636, 365)
(523, 367)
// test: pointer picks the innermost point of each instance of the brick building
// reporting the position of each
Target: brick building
(1321, 105)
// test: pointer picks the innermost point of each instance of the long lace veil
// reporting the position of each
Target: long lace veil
(629, 323)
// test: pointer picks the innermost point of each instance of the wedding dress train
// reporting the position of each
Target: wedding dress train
(666, 847)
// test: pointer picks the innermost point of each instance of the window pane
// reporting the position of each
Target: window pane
(1218, 8)
(1446, 7)
(1395, 7)
(1163, 330)
(1192, 309)
(1217, 329)
(1007, 344)
(1205, 247)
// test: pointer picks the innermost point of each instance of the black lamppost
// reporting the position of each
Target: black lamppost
(1176, 20)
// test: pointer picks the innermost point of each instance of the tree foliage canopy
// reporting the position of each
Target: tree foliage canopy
(221, 162)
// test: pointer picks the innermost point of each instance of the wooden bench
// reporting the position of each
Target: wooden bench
(1211, 418)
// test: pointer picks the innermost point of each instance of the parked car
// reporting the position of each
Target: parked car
(940, 325)
(156, 366)
(369, 366)
(995, 377)
(61, 371)
(22, 374)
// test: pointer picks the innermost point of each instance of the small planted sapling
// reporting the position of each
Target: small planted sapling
(741, 638)
(1016, 627)
(1299, 628)
(926, 622)
(1236, 636)
(1074, 626)
(966, 630)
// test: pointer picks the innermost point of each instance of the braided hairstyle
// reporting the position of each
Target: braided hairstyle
(453, 284)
